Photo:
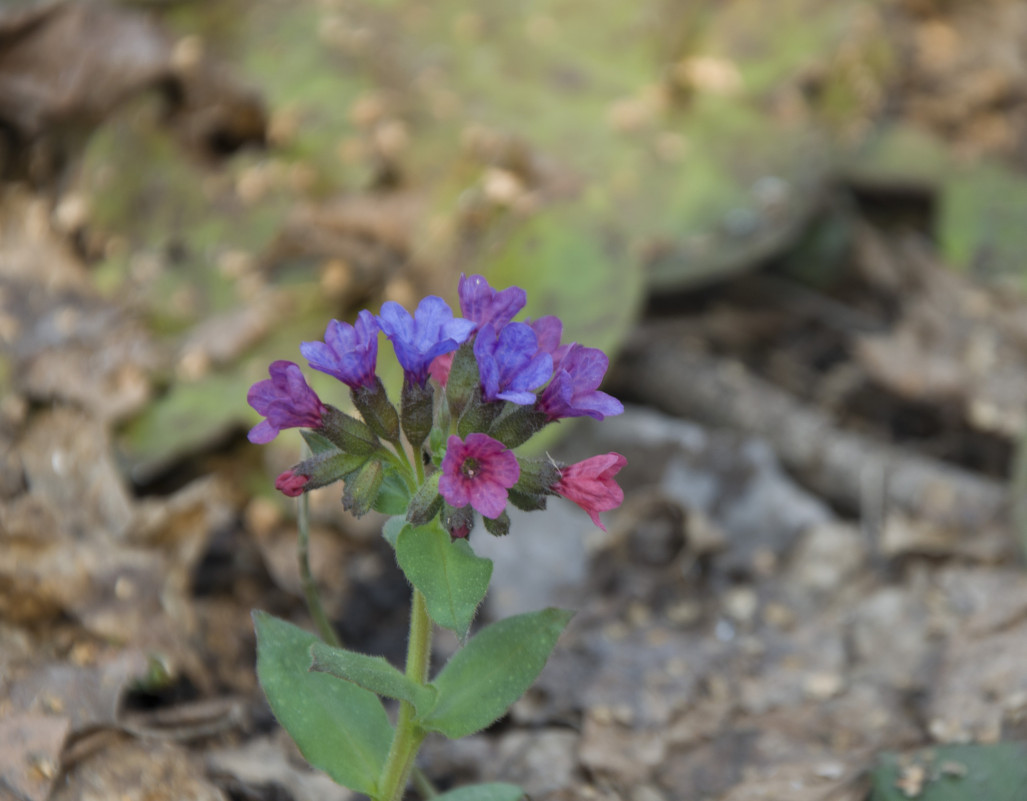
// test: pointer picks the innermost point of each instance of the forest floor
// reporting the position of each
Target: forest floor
(816, 562)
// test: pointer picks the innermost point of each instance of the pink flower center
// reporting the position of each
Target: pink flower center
(470, 467)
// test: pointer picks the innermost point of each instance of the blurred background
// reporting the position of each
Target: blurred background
(795, 226)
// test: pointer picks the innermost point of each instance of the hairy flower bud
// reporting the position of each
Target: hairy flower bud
(362, 487)
(477, 415)
(517, 425)
(328, 467)
(291, 483)
(497, 526)
(457, 521)
(349, 434)
(426, 503)
(463, 379)
(416, 412)
(379, 414)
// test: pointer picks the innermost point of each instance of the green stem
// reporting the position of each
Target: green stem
(402, 462)
(409, 736)
(317, 612)
(419, 468)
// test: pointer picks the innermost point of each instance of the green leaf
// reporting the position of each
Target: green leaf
(392, 527)
(996, 771)
(492, 671)
(372, 673)
(393, 496)
(339, 727)
(495, 791)
(452, 579)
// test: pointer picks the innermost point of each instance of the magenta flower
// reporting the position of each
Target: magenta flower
(591, 486)
(291, 484)
(285, 400)
(478, 471)
(486, 306)
(511, 364)
(574, 392)
(349, 352)
(418, 339)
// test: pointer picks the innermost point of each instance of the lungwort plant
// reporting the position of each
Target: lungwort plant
(474, 389)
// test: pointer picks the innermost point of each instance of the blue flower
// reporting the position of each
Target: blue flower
(511, 364)
(431, 332)
(349, 352)
(574, 392)
(486, 306)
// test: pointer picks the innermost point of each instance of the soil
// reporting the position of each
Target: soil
(817, 561)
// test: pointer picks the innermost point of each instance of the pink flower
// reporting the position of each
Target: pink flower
(478, 471)
(291, 484)
(591, 486)
(440, 367)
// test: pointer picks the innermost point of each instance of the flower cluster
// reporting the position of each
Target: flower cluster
(475, 387)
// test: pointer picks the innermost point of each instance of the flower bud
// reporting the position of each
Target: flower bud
(458, 522)
(517, 425)
(497, 526)
(426, 503)
(463, 379)
(291, 483)
(478, 415)
(348, 433)
(362, 487)
(379, 414)
(327, 467)
(416, 414)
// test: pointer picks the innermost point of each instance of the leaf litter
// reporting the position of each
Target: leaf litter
(757, 622)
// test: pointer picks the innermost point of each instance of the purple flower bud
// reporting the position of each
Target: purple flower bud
(486, 306)
(285, 400)
(430, 332)
(511, 364)
(349, 352)
(478, 471)
(573, 392)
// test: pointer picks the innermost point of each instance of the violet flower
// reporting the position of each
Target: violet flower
(549, 329)
(418, 339)
(285, 400)
(349, 352)
(591, 486)
(511, 364)
(478, 471)
(574, 392)
(486, 306)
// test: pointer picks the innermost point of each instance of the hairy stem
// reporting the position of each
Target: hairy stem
(409, 736)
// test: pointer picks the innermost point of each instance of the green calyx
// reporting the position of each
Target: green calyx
(348, 433)
(376, 409)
